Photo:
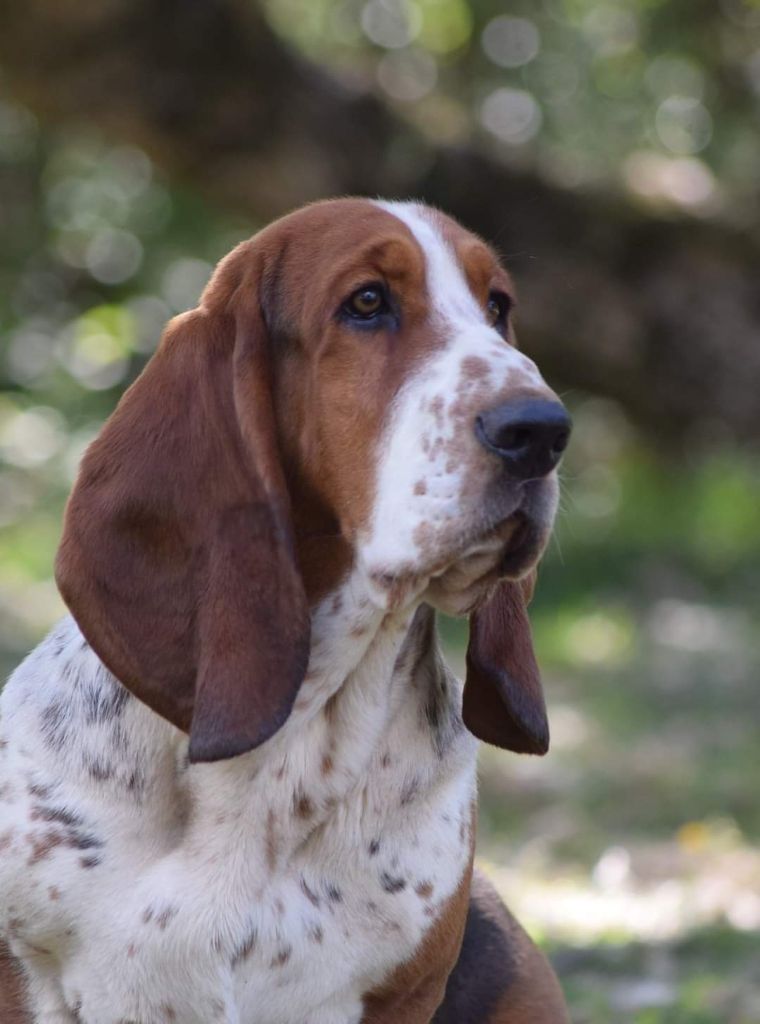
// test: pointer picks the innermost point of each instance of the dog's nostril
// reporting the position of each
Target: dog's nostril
(529, 435)
(515, 438)
(560, 442)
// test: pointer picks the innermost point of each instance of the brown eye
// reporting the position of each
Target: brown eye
(497, 309)
(366, 302)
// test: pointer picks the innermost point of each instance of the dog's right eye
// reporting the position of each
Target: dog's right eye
(366, 303)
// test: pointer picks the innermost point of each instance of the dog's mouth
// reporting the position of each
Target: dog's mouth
(523, 549)
(507, 551)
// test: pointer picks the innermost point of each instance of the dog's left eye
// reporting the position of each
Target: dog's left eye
(366, 303)
(497, 309)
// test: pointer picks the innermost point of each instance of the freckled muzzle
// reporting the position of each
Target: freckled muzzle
(529, 435)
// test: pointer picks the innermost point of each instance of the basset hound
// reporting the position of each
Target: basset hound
(238, 783)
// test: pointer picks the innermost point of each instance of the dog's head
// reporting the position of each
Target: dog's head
(346, 397)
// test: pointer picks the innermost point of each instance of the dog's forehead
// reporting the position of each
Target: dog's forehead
(459, 264)
(332, 231)
(332, 228)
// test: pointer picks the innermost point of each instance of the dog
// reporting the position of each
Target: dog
(238, 783)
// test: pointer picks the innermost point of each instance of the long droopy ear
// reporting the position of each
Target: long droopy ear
(177, 558)
(503, 700)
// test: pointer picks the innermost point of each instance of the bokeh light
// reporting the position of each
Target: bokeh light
(392, 24)
(512, 115)
(511, 42)
(408, 75)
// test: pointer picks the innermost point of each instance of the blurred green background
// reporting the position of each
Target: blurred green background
(612, 151)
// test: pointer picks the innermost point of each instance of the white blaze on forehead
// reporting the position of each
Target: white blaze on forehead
(428, 445)
(449, 291)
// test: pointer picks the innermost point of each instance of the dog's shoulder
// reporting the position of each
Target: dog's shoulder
(500, 976)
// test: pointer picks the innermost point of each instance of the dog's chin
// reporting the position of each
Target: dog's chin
(508, 552)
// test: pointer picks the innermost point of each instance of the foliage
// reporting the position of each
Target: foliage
(658, 98)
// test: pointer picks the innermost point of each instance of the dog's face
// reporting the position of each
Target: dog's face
(397, 372)
(347, 398)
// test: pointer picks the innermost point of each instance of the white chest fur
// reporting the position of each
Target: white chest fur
(278, 887)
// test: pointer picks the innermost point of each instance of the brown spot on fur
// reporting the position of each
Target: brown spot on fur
(409, 791)
(327, 764)
(40, 791)
(131, 951)
(424, 890)
(54, 893)
(6, 838)
(436, 408)
(303, 806)
(168, 1011)
(474, 368)
(316, 933)
(166, 915)
(282, 957)
(43, 845)
(392, 883)
(309, 893)
(420, 487)
(245, 949)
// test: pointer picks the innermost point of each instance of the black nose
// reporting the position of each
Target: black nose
(529, 434)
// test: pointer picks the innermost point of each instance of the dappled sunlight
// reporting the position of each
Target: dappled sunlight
(684, 182)
(646, 892)
(697, 627)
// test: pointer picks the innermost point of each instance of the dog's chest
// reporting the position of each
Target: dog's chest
(294, 881)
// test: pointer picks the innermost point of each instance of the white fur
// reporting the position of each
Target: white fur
(202, 857)
(432, 469)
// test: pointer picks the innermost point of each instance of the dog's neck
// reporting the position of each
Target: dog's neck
(378, 708)
(377, 724)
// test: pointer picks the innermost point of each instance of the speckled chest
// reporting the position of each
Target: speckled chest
(293, 879)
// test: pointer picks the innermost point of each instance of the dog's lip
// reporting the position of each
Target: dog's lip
(523, 549)
(514, 544)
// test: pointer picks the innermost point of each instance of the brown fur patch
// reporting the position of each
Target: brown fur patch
(12, 990)
(414, 990)
(500, 976)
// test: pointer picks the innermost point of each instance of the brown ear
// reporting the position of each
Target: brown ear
(503, 700)
(177, 559)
